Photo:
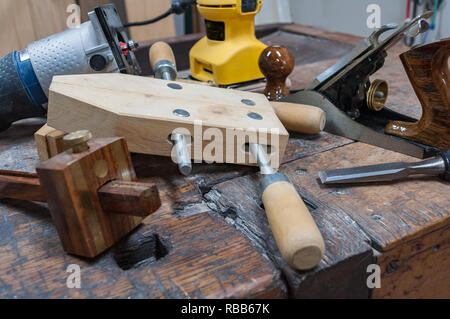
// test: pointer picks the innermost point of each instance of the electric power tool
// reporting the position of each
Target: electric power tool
(230, 52)
(99, 45)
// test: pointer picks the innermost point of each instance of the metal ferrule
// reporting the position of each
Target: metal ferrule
(165, 70)
(268, 180)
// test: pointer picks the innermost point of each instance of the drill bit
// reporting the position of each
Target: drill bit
(437, 166)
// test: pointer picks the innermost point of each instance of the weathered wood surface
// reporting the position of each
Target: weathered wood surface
(211, 238)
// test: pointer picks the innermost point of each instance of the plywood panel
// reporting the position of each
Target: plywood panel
(140, 10)
(25, 21)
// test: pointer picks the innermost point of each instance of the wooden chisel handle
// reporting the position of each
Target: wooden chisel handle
(300, 118)
(161, 51)
(296, 233)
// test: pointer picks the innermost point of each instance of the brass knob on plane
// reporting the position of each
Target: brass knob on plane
(377, 95)
(276, 64)
(78, 140)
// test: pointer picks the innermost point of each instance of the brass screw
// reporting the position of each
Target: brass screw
(377, 95)
(78, 140)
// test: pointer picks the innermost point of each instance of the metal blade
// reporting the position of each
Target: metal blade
(340, 124)
(373, 173)
(383, 172)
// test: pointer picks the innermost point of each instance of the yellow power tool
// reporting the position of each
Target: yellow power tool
(230, 52)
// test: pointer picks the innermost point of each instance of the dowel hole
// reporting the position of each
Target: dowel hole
(181, 113)
(175, 86)
(248, 102)
(255, 116)
(140, 249)
(268, 148)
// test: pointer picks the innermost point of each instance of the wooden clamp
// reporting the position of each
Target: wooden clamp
(148, 111)
(91, 191)
(428, 69)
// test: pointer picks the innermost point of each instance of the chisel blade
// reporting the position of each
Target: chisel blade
(372, 173)
(438, 166)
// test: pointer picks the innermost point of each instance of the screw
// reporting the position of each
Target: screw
(248, 102)
(133, 45)
(181, 113)
(255, 116)
(78, 141)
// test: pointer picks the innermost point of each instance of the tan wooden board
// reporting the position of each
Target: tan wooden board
(142, 110)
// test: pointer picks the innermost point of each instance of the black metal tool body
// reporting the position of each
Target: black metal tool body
(346, 93)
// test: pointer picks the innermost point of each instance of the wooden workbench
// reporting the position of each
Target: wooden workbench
(211, 238)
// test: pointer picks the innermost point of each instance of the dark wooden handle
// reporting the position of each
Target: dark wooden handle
(276, 63)
(21, 185)
(129, 198)
(427, 67)
(119, 197)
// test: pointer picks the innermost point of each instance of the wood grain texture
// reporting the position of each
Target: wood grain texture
(17, 185)
(142, 110)
(26, 21)
(232, 239)
(343, 238)
(418, 269)
(428, 70)
(71, 181)
(129, 198)
(49, 142)
(140, 10)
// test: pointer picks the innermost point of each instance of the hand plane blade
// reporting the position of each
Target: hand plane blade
(341, 124)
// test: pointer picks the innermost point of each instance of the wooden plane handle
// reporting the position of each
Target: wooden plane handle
(300, 118)
(428, 70)
(296, 233)
(161, 51)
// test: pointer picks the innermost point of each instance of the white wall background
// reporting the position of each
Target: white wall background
(274, 11)
(348, 16)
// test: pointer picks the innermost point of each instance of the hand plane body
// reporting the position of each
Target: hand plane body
(355, 105)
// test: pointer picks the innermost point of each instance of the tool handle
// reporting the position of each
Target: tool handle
(446, 157)
(297, 235)
(21, 185)
(161, 51)
(300, 118)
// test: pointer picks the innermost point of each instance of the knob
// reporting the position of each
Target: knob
(78, 140)
(276, 64)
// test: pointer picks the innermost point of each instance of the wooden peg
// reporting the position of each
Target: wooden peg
(428, 70)
(276, 63)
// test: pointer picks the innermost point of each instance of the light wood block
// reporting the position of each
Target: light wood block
(141, 110)
(49, 142)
